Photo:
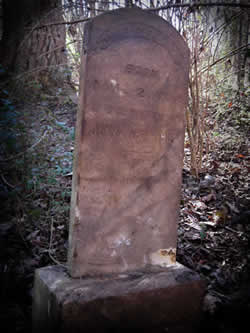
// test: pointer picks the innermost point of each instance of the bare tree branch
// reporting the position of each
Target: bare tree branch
(62, 22)
(229, 54)
(198, 4)
(190, 5)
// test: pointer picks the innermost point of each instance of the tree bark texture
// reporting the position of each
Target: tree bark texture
(26, 49)
(231, 39)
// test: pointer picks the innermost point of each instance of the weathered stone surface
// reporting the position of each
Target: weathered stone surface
(129, 144)
(163, 300)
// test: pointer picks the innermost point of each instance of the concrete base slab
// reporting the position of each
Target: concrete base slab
(155, 300)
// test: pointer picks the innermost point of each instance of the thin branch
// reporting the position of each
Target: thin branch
(7, 183)
(38, 69)
(191, 5)
(56, 48)
(26, 150)
(51, 245)
(229, 54)
(198, 4)
(62, 22)
(222, 26)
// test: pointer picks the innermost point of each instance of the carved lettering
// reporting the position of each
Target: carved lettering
(142, 71)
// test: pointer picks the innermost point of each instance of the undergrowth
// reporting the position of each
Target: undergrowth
(36, 162)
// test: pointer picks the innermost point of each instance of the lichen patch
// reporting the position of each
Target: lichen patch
(164, 257)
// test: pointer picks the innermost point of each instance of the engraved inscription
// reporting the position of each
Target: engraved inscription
(143, 139)
(140, 92)
(142, 71)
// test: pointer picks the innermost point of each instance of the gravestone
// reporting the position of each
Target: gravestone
(122, 271)
(129, 144)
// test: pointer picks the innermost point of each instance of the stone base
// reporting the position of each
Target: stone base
(158, 300)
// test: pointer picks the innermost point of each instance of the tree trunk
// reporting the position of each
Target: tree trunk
(26, 49)
(245, 55)
(91, 7)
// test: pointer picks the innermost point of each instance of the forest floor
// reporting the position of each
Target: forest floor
(35, 189)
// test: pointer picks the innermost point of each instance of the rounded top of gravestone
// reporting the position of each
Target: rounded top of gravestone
(136, 23)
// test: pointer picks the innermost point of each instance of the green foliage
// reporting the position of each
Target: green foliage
(203, 232)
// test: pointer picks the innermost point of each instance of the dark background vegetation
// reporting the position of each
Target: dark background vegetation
(41, 43)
